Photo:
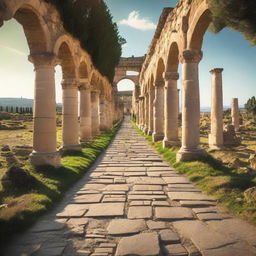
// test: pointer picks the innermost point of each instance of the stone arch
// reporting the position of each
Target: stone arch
(94, 81)
(173, 58)
(160, 71)
(198, 26)
(35, 28)
(66, 59)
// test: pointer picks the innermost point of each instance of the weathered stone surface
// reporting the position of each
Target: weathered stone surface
(106, 209)
(173, 213)
(48, 225)
(125, 226)
(188, 196)
(169, 237)
(175, 250)
(146, 197)
(140, 212)
(176, 180)
(73, 210)
(205, 210)
(117, 188)
(147, 188)
(146, 180)
(188, 203)
(201, 235)
(209, 216)
(145, 244)
(91, 198)
(156, 224)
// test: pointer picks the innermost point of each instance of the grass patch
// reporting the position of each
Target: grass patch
(225, 184)
(48, 186)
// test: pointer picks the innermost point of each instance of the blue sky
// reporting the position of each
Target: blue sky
(136, 20)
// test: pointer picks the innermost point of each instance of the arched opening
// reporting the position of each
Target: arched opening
(125, 89)
(83, 72)
(19, 37)
(160, 72)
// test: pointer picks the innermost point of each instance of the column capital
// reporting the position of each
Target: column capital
(216, 70)
(159, 83)
(171, 76)
(84, 86)
(69, 83)
(141, 97)
(95, 92)
(45, 59)
(191, 56)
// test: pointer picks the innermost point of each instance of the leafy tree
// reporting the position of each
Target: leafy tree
(250, 106)
(90, 21)
(239, 15)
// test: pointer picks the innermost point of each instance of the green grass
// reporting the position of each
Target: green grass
(47, 187)
(225, 184)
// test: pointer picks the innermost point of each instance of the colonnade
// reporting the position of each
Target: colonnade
(81, 119)
(158, 109)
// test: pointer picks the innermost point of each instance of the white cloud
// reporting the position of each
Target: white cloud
(13, 50)
(136, 22)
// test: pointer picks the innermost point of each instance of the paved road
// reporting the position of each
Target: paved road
(133, 203)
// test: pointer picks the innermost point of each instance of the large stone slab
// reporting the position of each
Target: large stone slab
(176, 180)
(90, 198)
(146, 180)
(145, 244)
(140, 212)
(173, 213)
(188, 196)
(201, 235)
(73, 211)
(147, 188)
(125, 226)
(175, 250)
(116, 187)
(106, 209)
(169, 237)
(48, 225)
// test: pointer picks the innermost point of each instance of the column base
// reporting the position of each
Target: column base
(212, 143)
(71, 148)
(187, 154)
(171, 143)
(216, 147)
(145, 130)
(150, 132)
(157, 136)
(40, 159)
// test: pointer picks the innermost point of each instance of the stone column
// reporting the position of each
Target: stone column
(235, 113)
(141, 110)
(102, 113)
(85, 112)
(70, 126)
(137, 112)
(190, 149)
(151, 111)
(158, 125)
(171, 110)
(146, 111)
(216, 135)
(95, 112)
(44, 114)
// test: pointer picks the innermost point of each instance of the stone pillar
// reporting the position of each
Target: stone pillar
(70, 125)
(44, 114)
(102, 113)
(146, 111)
(142, 112)
(216, 135)
(190, 149)
(85, 112)
(95, 112)
(171, 110)
(158, 125)
(235, 113)
(151, 111)
(137, 112)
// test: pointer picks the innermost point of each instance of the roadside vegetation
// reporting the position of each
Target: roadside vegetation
(226, 184)
(21, 206)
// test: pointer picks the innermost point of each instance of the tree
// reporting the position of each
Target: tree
(239, 15)
(91, 23)
(250, 106)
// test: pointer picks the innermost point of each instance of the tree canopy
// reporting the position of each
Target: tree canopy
(239, 15)
(250, 106)
(90, 21)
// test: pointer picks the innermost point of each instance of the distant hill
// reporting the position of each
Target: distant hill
(18, 102)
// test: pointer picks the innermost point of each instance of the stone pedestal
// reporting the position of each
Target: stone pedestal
(70, 126)
(151, 111)
(158, 132)
(95, 112)
(235, 113)
(216, 135)
(85, 112)
(44, 114)
(171, 110)
(190, 149)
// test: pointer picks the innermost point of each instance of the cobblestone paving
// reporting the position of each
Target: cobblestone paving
(133, 203)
